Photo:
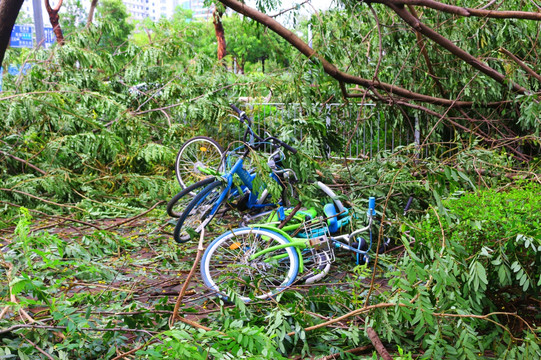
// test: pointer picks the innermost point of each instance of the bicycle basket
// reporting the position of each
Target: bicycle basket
(319, 243)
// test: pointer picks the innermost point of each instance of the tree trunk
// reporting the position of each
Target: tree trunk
(90, 18)
(53, 17)
(9, 10)
(220, 33)
(241, 65)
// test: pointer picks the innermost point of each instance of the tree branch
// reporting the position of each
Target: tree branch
(450, 46)
(291, 8)
(24, 162)
(200, 250)
(331, 69)
(374, 338)
(53, 327)
(41, 199)
(467, 12)
(521, 64)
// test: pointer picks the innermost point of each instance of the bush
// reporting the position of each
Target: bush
(471, 280)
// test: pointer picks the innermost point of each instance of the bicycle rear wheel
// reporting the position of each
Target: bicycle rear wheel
(199, 212)
(227, 267)
(178, 203)
(198, 158)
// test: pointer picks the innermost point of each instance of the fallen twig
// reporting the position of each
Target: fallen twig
(182, 292)
(42, 199)
(121, 356)
(53, 327)
(374, 338)
(24, 162)
(37, 347)
(13, 299)
(136, 216)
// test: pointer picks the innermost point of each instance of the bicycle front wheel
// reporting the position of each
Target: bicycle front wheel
(198, 158)
(228, 269)
(199, 212)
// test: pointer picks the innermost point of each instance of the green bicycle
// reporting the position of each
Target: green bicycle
(260, 261)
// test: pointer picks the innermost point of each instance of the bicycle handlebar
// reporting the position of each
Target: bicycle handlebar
(241, 113)
(243, 117)
(408, 204)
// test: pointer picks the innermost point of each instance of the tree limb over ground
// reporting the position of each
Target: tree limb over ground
(398, 7)
(492, 73)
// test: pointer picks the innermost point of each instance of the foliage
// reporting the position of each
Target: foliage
(110, 12)
(91, 131)
(72, 16)
(237, 341)
(249, 43)
(463, 275)
(97, 132)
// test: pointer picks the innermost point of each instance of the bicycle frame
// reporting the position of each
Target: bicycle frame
(247, 180)
(302, 243)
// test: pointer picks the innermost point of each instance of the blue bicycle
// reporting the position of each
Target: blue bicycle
(212, 193)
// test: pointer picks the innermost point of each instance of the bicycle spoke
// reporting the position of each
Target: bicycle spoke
(231, 266)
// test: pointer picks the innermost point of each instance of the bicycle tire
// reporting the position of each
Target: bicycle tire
(227, 270)
(197, 152)
(187, 192)
(198, 211)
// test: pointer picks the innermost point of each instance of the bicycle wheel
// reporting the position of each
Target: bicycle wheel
(198, 213)
(178, 203)
(198, 158)
(227, 268)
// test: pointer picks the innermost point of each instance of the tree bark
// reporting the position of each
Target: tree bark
(9, 10)
(220, 33)
(90, 18)
(382, 351)
(53, 17)
(463, 11)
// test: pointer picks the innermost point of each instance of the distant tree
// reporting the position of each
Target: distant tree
(249, 42)
(192, 37)
(73, 16)
(9, 10)
(114, 12)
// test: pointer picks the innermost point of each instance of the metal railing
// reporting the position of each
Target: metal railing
(363, 130)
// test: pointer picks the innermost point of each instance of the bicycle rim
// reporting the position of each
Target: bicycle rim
(227, 268)
(198, 158)
(198, 212)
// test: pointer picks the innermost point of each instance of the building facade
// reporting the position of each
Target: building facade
(138, 9)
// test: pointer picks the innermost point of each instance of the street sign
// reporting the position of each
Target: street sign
(50, 37)
(21, 36)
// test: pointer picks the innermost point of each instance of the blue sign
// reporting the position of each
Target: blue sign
(13, 70)
(50, 36)
(21, 36)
